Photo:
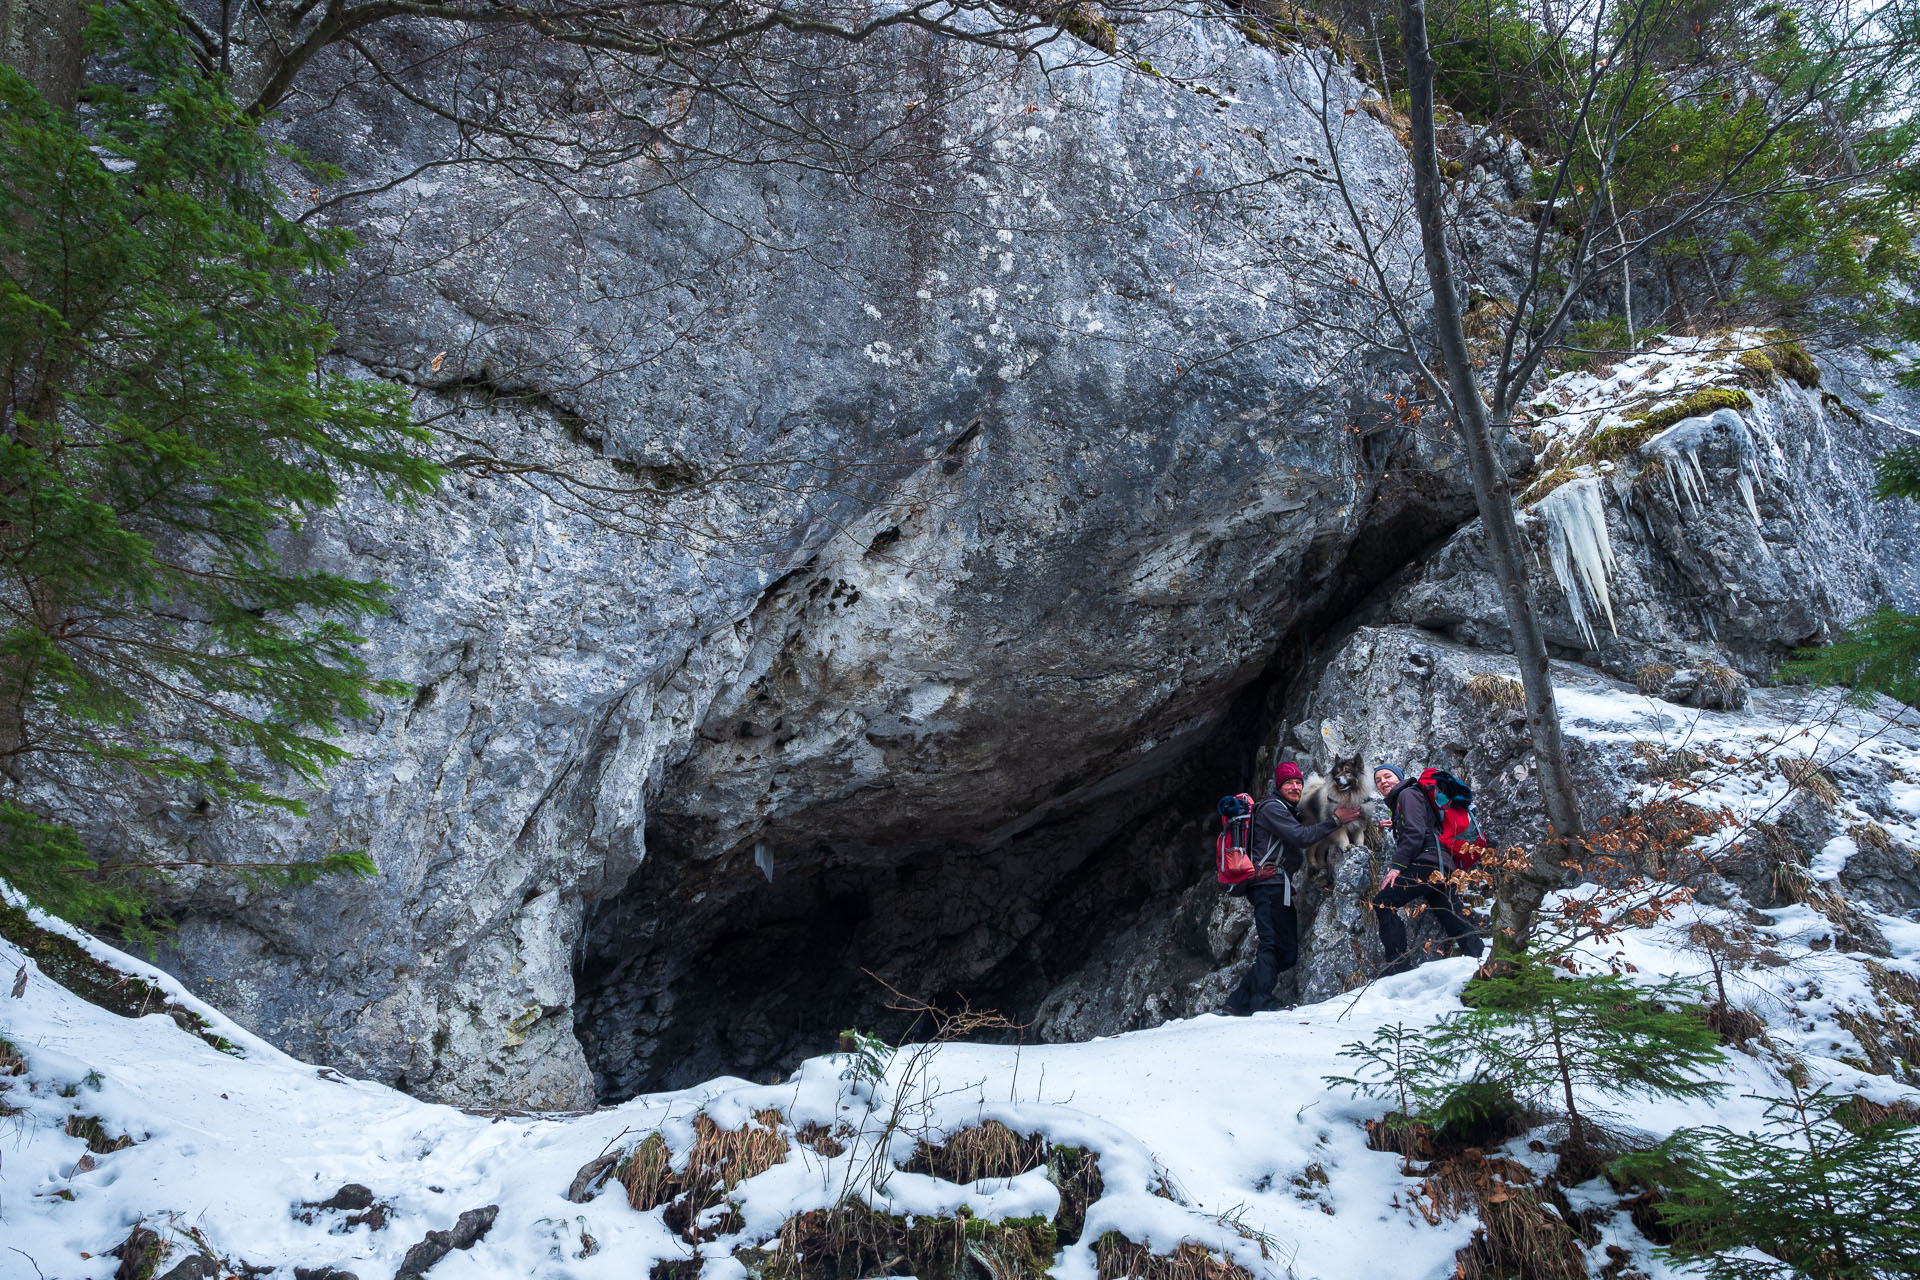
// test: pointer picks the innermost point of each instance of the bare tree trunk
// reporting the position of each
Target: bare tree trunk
(41, 40)
(1519, 894)
(1626, 271)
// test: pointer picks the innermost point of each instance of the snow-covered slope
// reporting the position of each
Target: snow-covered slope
(1212, 1130)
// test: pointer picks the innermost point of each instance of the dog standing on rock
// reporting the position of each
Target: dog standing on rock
(1347, 785)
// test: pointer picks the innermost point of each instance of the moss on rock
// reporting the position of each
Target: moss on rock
(1698, 405)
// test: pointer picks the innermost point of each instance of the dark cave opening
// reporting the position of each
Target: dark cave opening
(703, 966)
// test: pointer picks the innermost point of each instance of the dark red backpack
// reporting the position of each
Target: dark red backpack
(1232, 852)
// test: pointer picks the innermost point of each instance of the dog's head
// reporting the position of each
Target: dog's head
(1349, 773)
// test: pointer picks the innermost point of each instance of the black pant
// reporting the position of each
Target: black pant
(1273, 921)
(1393, 931)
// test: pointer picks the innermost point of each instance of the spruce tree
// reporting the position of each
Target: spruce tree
(1826, 1192)
(1546, 1033)
(1535, 1036)
(167, 419)
(1879, 653)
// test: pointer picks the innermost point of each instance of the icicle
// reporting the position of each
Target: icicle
(763, 859)
(1745, 482)
(1577, 542)
(1679, 446)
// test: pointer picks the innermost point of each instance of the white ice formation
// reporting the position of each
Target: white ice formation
(1679, 447)
(1576, 517)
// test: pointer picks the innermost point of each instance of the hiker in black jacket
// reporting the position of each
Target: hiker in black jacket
(1279, 846)
(1419, 871)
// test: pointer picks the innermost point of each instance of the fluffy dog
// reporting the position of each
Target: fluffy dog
(1348, 782)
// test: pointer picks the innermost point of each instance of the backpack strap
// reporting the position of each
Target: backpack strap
(1273, 852)
(1441, 855)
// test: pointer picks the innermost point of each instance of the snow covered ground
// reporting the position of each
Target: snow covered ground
(1265, 1162)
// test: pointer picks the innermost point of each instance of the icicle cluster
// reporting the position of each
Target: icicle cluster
(1577, 543)
(1679, 447)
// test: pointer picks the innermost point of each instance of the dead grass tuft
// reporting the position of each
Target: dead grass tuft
(1734, 1025)
(1651, 679)
(719, 1160)
(1669, 764)
(818, 1137)
(1891, 1038)
(1859, 1113)
(93, 1132)
(1546, 484)
(853, 1241)
(986, 1150)
(646, 1173)
(1115, 1256)
(1721, 688)
(1522, 1229)
(1490, 692)
(1802, 773)
(1872, 836)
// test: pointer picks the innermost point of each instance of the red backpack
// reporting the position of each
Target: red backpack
(1233, 861)
(1459, 833)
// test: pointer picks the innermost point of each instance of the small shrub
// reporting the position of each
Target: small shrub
(1825, 1194)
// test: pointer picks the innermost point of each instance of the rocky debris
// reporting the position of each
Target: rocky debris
(468, 1231)
(592, 1175)
(196, 1266)
(140, 1253)
(357, 1202)
(1882, 872)
(322, 1273)
(351, 1197)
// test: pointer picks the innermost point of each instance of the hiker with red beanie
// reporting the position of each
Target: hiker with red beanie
(1279, 846)
(1419, 871)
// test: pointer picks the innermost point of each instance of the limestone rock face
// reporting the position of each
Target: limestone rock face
(1699, 575)
(888, 547)
(879, 568)
(1701, 591)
